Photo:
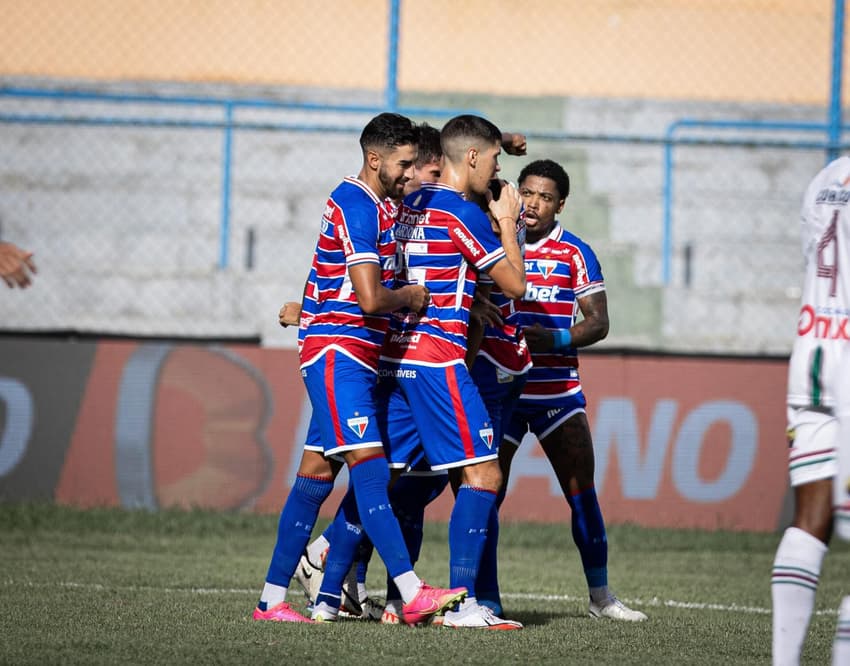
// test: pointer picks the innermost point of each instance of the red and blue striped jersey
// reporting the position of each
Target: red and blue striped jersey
(357, 228)
(443, 242)
(505, 346)
(559, 269)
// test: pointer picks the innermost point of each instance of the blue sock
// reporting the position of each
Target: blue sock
(409, 496)
(296, 522)
(467, 533)
(345, 536)
(589, 536)
(487, 583)
(369, 479)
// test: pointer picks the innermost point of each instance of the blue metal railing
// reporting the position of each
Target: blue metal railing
(835, 87)
(228, 124)
(832, 129)
(671, 141)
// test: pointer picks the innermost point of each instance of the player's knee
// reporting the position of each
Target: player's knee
(487, 475)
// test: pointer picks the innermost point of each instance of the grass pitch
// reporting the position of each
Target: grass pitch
(109, 586)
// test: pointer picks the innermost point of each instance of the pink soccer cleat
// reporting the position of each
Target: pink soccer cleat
(283, 612)
(430, 601)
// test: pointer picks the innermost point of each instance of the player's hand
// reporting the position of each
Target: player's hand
(16, 265)
(290, 314)
(486, 312)
(506, 209)
(538, 338)
(418, 297)
(514, 143)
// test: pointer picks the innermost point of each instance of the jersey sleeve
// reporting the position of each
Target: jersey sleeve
(475, 239)
(586, 271)
(357, 231)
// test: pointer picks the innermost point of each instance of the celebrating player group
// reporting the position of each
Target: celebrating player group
(439, 324)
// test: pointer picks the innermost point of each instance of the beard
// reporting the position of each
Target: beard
(393, 187)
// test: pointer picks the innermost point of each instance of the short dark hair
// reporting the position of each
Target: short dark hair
(474, 128)
(388, 131)
(429, 145)
(548, 169)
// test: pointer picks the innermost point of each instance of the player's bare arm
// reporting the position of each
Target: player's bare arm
(592, 328)
(374, 298)
(514, 143)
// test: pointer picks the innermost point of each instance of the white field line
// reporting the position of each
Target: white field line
(639, 603)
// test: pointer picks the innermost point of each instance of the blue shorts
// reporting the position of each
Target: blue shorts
(541, 418)
(398, 429)
(342, 392)
(453, 424)
(313, 441)
(500, 391)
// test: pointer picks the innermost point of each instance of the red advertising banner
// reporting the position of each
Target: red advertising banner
(680, 442)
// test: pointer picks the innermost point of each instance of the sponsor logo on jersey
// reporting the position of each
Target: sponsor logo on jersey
(403, 373)
(345, 239)
(411, 218)
(553, 412)
(824, 325)
(358, 425)
(466, 241)
(546, 267)
(833, 196)
(405, 338)
(581, 271)
(486, 435)
(541, 294)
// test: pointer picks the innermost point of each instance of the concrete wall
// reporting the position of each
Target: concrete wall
(125, 221)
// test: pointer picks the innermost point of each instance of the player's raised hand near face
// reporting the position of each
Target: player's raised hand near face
(514, 143)
(506, 209)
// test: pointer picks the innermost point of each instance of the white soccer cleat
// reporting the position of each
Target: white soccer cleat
(324, 613)
(615, 609)
(476, 616)
(309, 576)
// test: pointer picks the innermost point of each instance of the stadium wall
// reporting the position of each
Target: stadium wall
(686, 442)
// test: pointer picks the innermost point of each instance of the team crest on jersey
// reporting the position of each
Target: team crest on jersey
(358, 424)
(546, 267)
(486, 435)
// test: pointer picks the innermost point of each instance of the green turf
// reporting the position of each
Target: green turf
(108, 586)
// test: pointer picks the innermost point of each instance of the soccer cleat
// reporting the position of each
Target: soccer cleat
(392, 613)
(430, 601)
(283, 612)
(350, 597)
(373, 609)
(615, 609)
(324, 613)
(309, 576)
(476, 616)
(494, 606)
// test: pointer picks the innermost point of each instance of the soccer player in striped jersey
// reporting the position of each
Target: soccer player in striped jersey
(563, 278)
(818, 402)
(354, 270)
(444, 241)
